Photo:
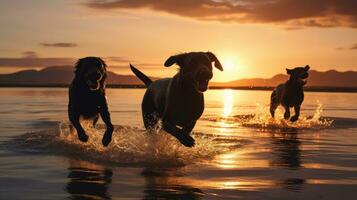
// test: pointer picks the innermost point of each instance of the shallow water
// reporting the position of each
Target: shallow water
(240, 152)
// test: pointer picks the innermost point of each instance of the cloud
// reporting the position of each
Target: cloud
(354, 47)
(29, 54)
(293, 13)
(59, 44)
(117, 59)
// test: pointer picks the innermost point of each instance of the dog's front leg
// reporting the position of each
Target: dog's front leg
(183, 135)
(287, 112)
(187, 132)
(170, 128)
(297, 114)
(74, 119)
(95, 120)
(189, 127)
(104, 113)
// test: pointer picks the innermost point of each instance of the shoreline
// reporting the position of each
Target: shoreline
(260, 88)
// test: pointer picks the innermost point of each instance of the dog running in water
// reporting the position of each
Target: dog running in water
(178, 101)
(291, 93)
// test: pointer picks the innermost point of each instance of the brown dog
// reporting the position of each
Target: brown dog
(178, 101)
(87, 97)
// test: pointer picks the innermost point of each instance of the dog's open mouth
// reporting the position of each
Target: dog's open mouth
(200, 86)
(93, 80)
(93, 86)
(303, 78)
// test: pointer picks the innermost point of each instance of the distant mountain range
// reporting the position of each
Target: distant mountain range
(58, 75)
(331, 78)
(63, 75)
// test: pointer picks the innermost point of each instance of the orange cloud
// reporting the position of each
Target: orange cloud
(354, 47)
(292, 13)
(59, 44)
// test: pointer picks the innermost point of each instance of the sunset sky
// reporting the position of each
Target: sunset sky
(252, 38)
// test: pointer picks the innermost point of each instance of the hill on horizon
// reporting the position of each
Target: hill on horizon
(63, 75)
(59, 75)
(330, 78)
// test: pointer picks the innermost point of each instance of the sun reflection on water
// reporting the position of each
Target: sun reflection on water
(224, 123)
(236, 183)
(241, 158)
(227, 160)
(227, 102)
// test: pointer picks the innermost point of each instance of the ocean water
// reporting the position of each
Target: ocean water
(240, 152)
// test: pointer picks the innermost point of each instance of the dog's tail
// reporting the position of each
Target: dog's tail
(147, 81)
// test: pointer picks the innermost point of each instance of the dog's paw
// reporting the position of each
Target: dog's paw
(187, 140)
(107, 138)
(294, 118)
(83, 137)
(286, 116)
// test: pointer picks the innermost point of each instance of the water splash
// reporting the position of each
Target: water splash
(263, 119)
(130, 146)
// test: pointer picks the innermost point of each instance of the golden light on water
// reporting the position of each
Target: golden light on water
(227, 102)
(231, 184)
(224, 124)
(241, 184)
(241, 159)
(228, 160)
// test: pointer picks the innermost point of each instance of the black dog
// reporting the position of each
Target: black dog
(178, 101)
(290, 94)
(87, 97)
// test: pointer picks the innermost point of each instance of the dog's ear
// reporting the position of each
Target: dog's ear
(174, 59)
(103, 63)
(79, 66)
(307, 67)
(289, 71)
(104, 67)
(214, 59)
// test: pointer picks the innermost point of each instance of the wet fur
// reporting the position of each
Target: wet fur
(87, 103)
(291, 93)
(178, 101)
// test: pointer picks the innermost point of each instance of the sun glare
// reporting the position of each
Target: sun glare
(228, 64)
(231, 67)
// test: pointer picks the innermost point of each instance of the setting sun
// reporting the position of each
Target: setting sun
(232, 69)
(228, 64)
